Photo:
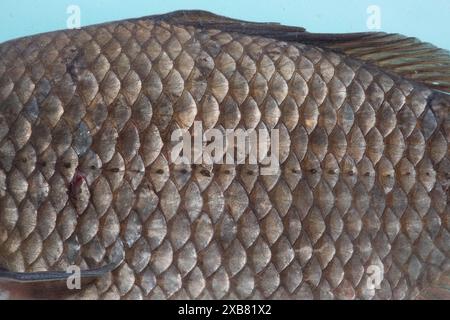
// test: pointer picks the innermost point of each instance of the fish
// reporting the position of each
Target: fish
(357, 208)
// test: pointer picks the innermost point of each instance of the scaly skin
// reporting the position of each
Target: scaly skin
(86, 178)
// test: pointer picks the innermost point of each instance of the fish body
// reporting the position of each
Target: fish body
(359, 208)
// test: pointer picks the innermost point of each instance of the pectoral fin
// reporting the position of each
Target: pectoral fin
(47, 276)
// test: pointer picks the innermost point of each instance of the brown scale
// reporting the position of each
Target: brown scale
(86, 178)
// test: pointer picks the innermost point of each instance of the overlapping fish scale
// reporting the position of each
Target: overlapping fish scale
(226, 232)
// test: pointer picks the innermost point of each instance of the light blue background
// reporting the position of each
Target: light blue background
(427, 20)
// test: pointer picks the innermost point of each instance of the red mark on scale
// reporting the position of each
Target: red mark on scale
(75, 184)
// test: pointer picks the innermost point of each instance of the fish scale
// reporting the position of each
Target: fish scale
(362, 182)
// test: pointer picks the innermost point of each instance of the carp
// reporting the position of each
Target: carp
(357, 208)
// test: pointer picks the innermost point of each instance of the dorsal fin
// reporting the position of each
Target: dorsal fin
(205, 19)
(405, 56)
